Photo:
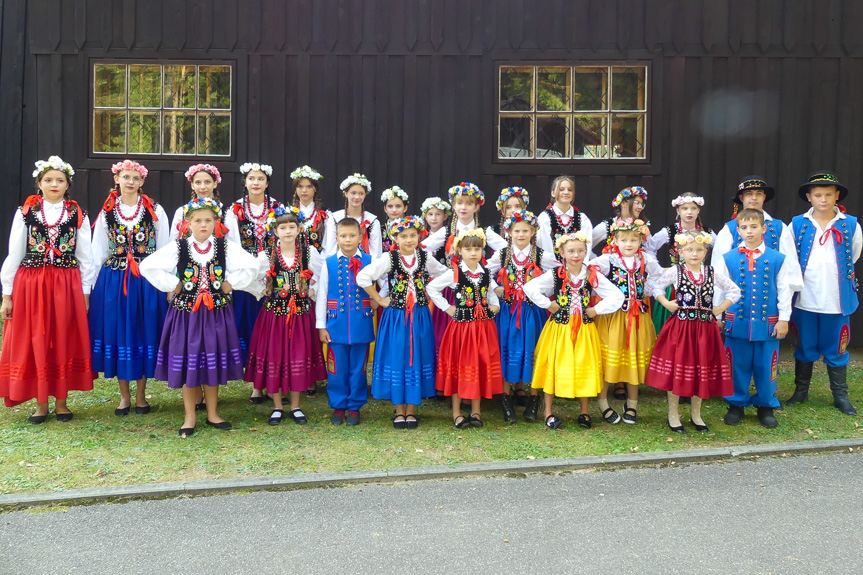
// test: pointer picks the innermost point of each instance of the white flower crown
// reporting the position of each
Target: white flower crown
(680, 200)
(53, 163)
(247, 167)
(435, 203)
(306, 172)
(358, 179)
(394, 192)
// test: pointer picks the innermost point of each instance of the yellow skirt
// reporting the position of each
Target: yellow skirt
(565, 368)
(619, 362)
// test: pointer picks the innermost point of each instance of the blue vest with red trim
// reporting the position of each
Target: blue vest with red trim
(804, 236)
(349, 309)
(754, 315)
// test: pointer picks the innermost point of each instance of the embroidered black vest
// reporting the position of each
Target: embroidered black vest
(631, 285)
(39, 242)
(557, 229)
(608, 237)
(315, 233)
(386, 241)
(696, 302)
(673, 253)
(197, 277)
(400, 279)
(287, 283)
(564, 294)
(517, 276)
(248, 238)
(468, 296)
(139, 239)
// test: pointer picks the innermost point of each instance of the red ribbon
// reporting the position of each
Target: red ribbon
(518, 299)
(479, 311)
(131, 265)
(364, 227)
(148, 203)
(183, 228)
(221, 230)
(203, 296)
(750, 255)
(110, 201)
(355, 266)
(239, 211)
(837, 236)
(292, 311)
(30, 202)
(409, 318)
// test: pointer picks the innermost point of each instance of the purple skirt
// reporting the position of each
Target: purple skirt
(285, 357)
(440, 319)
(199, 348)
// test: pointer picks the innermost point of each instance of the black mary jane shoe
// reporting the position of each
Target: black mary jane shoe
(276, 417)
(64, 416)
(701, 428)
(201, 406)
(143, 409)
(611, 416)
(475, 420)
(675, 428)
(311, 392)
(37, 419)
(223, 425)
(186, 432)
(553, 422)
(460, 422)
(122, 411)
(584, 421)
(256, 400)
(411, 421)
(299, 417)
(399, 422)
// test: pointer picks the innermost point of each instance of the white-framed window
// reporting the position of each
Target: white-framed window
(162, 108)
(583, 112)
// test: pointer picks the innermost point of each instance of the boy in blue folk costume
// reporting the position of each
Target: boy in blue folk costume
(755, 324)
(828, 243)
(344, 322)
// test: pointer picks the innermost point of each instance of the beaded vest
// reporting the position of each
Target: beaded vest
(138, 238)
(197, 278)
(253, 236)
(289, 282)
(568, 294)
(630, 283)
(695, 300)
(516, 275)
(400, 278)
(51, 245)
(469, 296)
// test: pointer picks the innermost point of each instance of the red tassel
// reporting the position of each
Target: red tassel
(292, 311)
(364, 227)
(239, 211)
(221, 230)
(479, 312)
(131, 266)
(409, 317)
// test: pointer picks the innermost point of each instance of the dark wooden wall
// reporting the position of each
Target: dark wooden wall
(405, 90)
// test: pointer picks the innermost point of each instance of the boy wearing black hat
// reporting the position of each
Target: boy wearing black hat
(752, 192)
(828, 242)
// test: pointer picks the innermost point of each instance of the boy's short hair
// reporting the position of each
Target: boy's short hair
(347, 222)
(750, 214)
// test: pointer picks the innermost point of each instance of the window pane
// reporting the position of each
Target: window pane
(109, 85)
(552, 86)
(178, 133)
(627, 136)
(179, 86)
(214, 133)
(552, 137)
(516, 89)
(627, 88)
(109, 131)
(144, 132)
(591, 88)
(515, 137)
(214, 87)
(145, 86)
(590, 137)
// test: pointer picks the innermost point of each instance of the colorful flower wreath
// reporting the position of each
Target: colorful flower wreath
(467, 189)
(279, 211)
(576, 236)
(627, 193)
(53, 163)
(629, 225)
(475, 232)
(435, 203)
(306, 172)
(513, 192)
(406, 223)
(210, 169)
(247, 167)
(130, 165)
(680, 200)
(520, 216)
(356, 178)
(394, 192)
(202, 204)
(699, 236)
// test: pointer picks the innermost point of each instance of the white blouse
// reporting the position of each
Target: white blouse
(18, 246)
(543, 235)
(725, 288)
(438, 239)
(548, 261)
(330, 246)
(606, 261)
(447, 280)
(260, 283)
(233, 224)
(538, 289)
(381, 267)
(494, 240)
(101, 251)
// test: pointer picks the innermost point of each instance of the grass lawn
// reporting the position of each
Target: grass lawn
(100, 449)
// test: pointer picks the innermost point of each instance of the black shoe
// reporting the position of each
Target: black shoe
(507, 408)
(64, 416)
(532, 408)
(338, 417)
(685, 400)
(475, 420)
(802, 379)
(223, 425)
(411, 421)
(256, 400)
(142, 410)
(276, 417)
(439, 397)
(460, 422)
(701, 428)
(520, 397)
(620, 392)
(399, 422)
(553, 422)
(839, 387)
(299, 417)
(122, 411)
(37, 419)
(584, 421)
(766, 417)
(186, 432)
(675, 428)
(630, 415)
(313, 391)
(733, 416)
(611, 416)
(353, 417)
(201, 406)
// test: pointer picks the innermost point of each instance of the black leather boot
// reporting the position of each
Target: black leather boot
(839, 387)
(532, 408)
(802, 379)
(506, 405)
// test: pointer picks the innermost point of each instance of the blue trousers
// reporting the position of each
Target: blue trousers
(753, 359)
(821, 334)
(347, 385)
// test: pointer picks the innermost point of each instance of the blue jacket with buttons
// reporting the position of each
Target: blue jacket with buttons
(804, 236)
(756, 313)
(349, 310)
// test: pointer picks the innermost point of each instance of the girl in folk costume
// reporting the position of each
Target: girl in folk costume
(519, 322)
(127, 312)
(205, 180)
(629, 203)
(199, 345)
(47, 276)
(561, 216)
(626, 336)
(246, 222)
(689, 358)
(285, 353)
(568, 356)
(509, 201)
(307, 197)
(469, 360)
(436, 212)
(688, 207)
(355, 189)
(404, 360)
(395, 202)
